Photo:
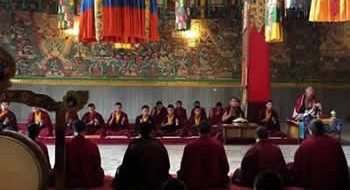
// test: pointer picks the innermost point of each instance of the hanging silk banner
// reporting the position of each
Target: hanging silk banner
(182, 14)
(273, 28)
(65, 14)
(98, 13)
(87, 31)
(330, 11)
(257, 14)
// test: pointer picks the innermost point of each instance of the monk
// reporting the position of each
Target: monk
(83, 161)
(70, 117)
(319, 162)
(180, 112)
(215, 114)
(33, 131)
(158, 113)
(262, 156)
(145, 164)
(93, 120)
(204, 163)
(143, 118)
(198, 103)
(170, 125)
(42, 119)
(118, 122)
(233, 112)
(192, 129)
(8, 119)
(307, 104)
(270, 120)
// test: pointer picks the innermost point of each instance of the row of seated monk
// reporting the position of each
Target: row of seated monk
(168, 121)
(319, 162)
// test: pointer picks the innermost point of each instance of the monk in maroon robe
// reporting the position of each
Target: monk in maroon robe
(203, 112)
(8, 119)
(158, 114)
(42, 119)
(204, 163)
(233, 112)
(215, 114)
(93, 120)
(145, 164)
(319, 162)
(307, 103)
(262, 156)
(70, 117)
(192, 128)
(181, 113)
(33, 131)
(118, 122)
(83, 161)
(270, 120)
(171, 124)
(143, 118)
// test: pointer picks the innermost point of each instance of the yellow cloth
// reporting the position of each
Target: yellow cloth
(170, 119)
(2, 113)
(37, 117)
(268, 115)
(144, 119)
(197, 119)
(117, 117)
(320, 11)
(273, 27)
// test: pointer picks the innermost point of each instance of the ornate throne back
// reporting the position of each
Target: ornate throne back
(22, 163)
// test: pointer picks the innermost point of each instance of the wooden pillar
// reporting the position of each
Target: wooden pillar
(60, 149)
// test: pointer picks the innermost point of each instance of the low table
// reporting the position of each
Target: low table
(239, 131)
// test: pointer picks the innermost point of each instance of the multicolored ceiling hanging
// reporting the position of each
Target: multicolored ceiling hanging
(65, 14)
(119, 21)
(273, 19)
(330, 11)
(182, 14)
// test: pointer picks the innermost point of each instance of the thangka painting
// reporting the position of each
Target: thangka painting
(43, 51)
(312, 53)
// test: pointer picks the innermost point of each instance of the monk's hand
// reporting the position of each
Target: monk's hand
(6, 121)
(96, 121)
(123, 120)
(91, 122)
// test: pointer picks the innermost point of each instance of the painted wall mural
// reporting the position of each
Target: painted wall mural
(41, 50)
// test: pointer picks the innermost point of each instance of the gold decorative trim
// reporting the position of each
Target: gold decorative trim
(63, 82)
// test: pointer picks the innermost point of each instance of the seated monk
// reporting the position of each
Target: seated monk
(192, 128)
(307, 104)
(70, 118)
(215, 114)
(8, 119)
(145, 164)
(233, 112)
(83, 161)
(118, 122)
(180, 112)
(319, 162)
(42, 119)
(268, 180)
(158, 113)
(262, 156)
(203, 112)
(93, 120)
(170, 125)
(33, 131)
(143, 118)
(204, 163)
(269, 119)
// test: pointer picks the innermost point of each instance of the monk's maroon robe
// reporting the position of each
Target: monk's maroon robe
(181, 113)
(43, 148)
(272, 124)
(158, 116)
(83, 164)
(215, 116)
(118, 128)
(204, 164)
(12, 121)
(203, 113)
(46, 130)
(192, 129)
(145, 166)
(262, 156)
(139, 120)
(92, 128)
(170, 129)
(237, 113)
(70, 117)
(320, 164)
